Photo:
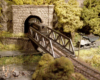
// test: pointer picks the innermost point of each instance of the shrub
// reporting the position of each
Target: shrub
(58, 69)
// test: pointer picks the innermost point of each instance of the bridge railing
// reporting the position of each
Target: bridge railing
(61, 40)
(41, 40)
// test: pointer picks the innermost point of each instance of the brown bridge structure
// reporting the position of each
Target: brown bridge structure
(57, 44)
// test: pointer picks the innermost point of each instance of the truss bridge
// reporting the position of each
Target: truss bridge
(57, 45)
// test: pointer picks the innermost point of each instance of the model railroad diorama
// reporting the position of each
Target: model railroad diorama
(59, 42)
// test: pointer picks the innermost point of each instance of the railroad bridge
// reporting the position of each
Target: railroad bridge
(52, 42)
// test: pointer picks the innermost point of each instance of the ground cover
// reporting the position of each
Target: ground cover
(90, 56)
(10, 47)
(31, 59)
(8, 34)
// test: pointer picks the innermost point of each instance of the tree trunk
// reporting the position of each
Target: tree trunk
(72, 35)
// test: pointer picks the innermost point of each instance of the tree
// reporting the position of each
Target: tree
(33, 2)
(68, 16)
(91, 15)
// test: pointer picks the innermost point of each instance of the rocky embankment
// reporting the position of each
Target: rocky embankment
(5, 18)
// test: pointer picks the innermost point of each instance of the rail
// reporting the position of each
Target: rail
(41, 40)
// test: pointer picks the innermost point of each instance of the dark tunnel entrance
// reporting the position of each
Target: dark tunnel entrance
(31, 18)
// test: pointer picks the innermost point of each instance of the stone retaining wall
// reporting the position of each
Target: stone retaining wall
(24, 43)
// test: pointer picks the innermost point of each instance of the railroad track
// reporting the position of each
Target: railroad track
(87, 71)
(79, 66)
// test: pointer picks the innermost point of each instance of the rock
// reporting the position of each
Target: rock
(16, 73)
(25, 73)
(8, 75)
(5, 18)
(5, 75)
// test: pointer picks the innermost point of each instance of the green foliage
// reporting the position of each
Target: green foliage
(18, 2)
(5, 34)
(9, 47)
(45, 59)
(68, 15)
(76, 39)
(20, 60)
(78, 76)
(33, 2)
(91, 57)
(27, 1)
(62, 67)
(40, 2)
(21, 2)
(50, 69)
(91, 15)
(8, 34)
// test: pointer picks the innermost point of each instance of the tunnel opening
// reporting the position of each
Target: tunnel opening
(31, 18)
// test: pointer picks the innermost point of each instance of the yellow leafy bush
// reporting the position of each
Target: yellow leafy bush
(58, 69)
(18, 2)
(27, 1)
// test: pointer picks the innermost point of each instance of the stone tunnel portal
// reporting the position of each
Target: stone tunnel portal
(31, 18)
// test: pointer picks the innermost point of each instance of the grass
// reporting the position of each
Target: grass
(32, 59)
(77, 38)
(10, 47)
(90, 56)
(20, 60)
(8, 34)
(5, 47)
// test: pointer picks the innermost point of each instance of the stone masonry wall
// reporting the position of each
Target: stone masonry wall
(21, 12)
(23, 43)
